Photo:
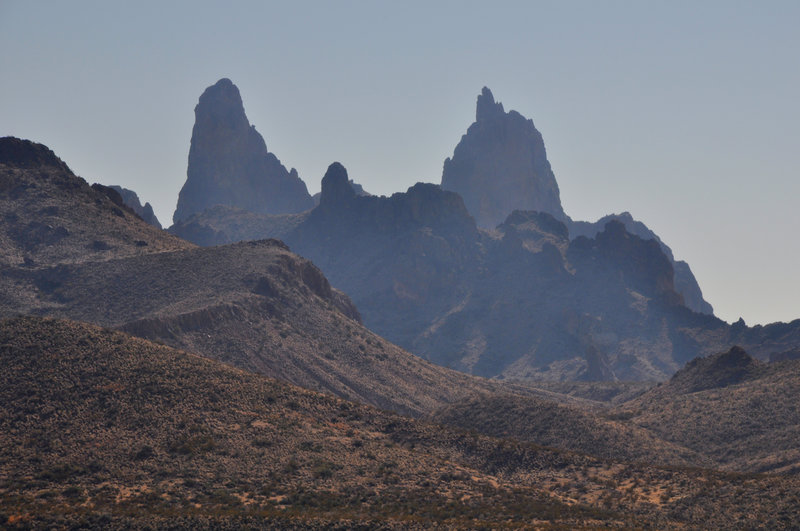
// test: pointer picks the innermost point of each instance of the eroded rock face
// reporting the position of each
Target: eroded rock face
(500, 165)
(131, 200)
(229, 163)
(685, 281)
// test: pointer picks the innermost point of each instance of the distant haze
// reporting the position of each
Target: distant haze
(683, 113)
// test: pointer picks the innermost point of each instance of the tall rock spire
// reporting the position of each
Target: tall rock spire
(487, 108)
(229, 163)
(500, 165)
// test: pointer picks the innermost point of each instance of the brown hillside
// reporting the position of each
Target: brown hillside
(547, 423)
(100, 429)
(741, 413)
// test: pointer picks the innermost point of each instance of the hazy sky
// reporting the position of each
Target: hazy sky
(684, 113)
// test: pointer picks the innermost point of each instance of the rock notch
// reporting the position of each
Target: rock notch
(229, 163)
(500, 165)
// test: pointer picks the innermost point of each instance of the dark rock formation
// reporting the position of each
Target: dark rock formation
(131, 200)
(719, 370)
(685, 282)
(500, 165)
(357, 188)
(336, 189)
(641, 263)
(229, 163)
(26, 154)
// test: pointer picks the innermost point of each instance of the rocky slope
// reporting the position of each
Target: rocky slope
(229, 163)
(49, 215)
(100, 429)
(500, 165)
(738, 411)
(145, 212)
(576, 427)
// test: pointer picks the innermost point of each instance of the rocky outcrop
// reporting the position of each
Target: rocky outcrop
(500, 165)
(531, 299)
(357, 188)
(229, 163)
(21, 153)
(719, 370)
(685, 282)
(131, 200)
(336, 188)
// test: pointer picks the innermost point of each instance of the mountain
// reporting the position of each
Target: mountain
(52, 216)
(740, 412)
(229, 163)
(145, 212)
(412, 276)
(500, 165)
(100, 429)
(521, 302)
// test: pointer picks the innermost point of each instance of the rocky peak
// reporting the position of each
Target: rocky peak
(487, 108)
(500, 165)
(221, 105)
(336, 188)
(719, 370)
(229, 163)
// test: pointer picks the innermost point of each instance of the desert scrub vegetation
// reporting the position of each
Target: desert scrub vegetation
(208, 444)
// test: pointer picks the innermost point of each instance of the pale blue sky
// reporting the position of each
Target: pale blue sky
(683, 113)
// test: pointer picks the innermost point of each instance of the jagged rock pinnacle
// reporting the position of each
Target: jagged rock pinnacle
(500, 165)
(486, 107)
(336, 186)
(229, 163)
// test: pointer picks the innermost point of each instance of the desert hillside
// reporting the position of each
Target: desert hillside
(103, 429)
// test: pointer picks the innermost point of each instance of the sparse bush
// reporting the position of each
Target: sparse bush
(145, 452)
